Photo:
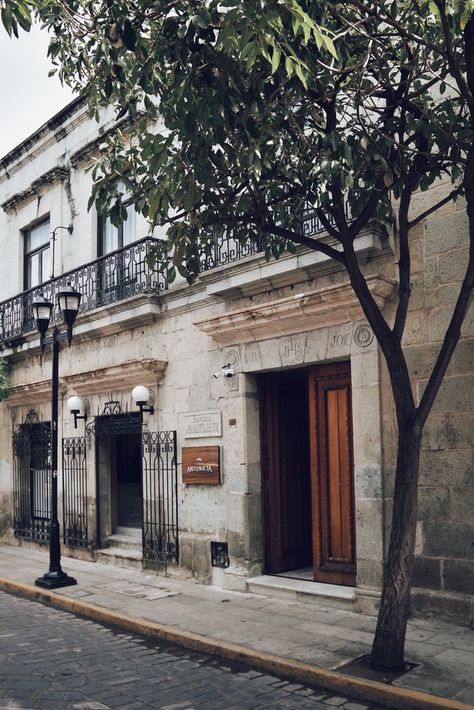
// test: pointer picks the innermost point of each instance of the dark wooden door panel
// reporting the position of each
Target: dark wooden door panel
(286, 472)
(332, 474)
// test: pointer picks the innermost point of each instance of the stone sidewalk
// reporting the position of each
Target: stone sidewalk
(313, 634)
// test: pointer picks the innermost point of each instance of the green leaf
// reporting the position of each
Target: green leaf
(202, 18)
(108, 87)
(330, 46)
(7, 19)
(129, 35)
(300, 75)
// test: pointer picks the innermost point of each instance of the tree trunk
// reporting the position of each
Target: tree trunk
(389, 642)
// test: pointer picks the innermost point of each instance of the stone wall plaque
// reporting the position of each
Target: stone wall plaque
(202, 424)
(201, 465)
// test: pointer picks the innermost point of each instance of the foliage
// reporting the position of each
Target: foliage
(16, 14)
(265, 107)
(3, 379)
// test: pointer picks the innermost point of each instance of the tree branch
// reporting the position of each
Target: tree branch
(454, 193)
(453, 63)
(313, 244)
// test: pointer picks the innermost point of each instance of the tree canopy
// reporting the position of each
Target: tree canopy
(267, 107)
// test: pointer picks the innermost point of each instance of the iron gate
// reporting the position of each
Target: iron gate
(75, 492)
(160, 498)
(31, 479)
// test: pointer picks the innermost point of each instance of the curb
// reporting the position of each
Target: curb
(287, 668)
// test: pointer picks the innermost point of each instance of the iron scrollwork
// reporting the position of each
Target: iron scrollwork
(160, 498)
(31, 479)
(114, 277)
(75, 528)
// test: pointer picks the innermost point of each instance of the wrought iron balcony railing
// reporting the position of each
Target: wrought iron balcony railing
(120, 275)
(227, 250)
(115, 277)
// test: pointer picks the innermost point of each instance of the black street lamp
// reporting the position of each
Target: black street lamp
(68, 300)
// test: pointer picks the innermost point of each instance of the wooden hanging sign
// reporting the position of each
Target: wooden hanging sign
(201, 465)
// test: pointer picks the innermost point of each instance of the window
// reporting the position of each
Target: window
(37, 259)
(118, 269)
(112, 238)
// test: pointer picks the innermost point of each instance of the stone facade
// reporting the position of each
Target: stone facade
(256, 317)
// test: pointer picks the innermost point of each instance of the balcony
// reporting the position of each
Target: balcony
(115, 277)
(227, 250)
(126, 273)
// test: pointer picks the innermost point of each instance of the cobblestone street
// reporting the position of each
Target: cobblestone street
(51, 659)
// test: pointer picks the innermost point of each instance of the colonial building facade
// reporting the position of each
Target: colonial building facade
(267, 460)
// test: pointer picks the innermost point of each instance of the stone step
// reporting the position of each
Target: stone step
(298, 590)
(129, 532)
(125, 542)
(132, 559)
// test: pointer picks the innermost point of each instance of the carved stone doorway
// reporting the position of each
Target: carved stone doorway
(308, 477)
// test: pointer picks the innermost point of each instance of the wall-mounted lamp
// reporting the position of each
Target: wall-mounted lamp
(141, 395)
(75, 406)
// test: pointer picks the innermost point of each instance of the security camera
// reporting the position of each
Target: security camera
(226, 371)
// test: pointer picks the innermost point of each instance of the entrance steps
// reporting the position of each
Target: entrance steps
(299, 590)
(123, 548)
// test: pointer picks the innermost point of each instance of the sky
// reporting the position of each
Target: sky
(28, 97)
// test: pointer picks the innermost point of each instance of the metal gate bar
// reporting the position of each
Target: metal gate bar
(75, 492)
(160, 498)
(31, 480)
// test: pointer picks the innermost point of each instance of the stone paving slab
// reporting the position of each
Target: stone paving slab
(317, 635)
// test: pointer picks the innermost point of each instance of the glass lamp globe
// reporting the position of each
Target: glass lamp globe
(140, 394)
(74, 404)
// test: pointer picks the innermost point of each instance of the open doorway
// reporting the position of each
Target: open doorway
(307, 466)
(129, 481)
(119, 475)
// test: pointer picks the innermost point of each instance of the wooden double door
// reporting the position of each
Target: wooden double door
(307, 465)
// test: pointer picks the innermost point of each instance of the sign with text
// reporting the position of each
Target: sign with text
(201, 465)
(202, 424)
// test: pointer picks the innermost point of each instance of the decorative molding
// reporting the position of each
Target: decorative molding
(133, 312)
(85, 153)
(53, 125)
(148, 372)
(48, 179)
(117, 378)
(363, 336)
(332, 305)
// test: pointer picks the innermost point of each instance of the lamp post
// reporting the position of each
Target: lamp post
(68, 300)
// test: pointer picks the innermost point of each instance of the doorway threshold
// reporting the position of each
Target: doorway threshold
(300, 590)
